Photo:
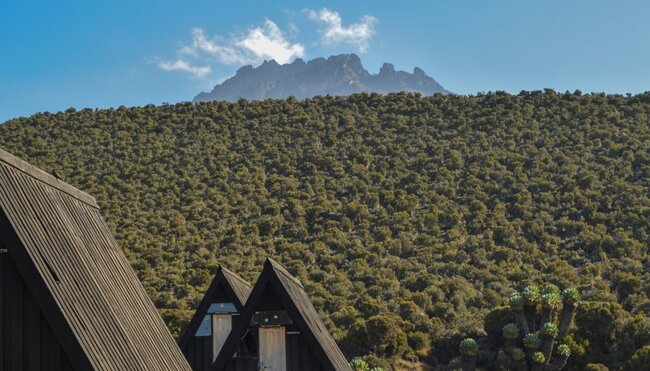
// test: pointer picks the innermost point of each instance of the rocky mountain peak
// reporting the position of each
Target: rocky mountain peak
(387, 68)
(341, 74)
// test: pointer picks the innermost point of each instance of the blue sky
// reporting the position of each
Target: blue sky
(60, 54)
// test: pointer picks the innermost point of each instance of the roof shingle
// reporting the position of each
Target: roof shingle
(78, 266)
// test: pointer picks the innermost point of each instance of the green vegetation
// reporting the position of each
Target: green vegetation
(359, 364)
(468, 349)
(414, 215)
(539, 346)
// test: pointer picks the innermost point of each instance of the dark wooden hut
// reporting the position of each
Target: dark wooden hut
(69, 300)
(212, 322)
(279, 330)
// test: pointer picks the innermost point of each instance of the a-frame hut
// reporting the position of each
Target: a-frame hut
(279, 330)
(69, 300)
(212, 322)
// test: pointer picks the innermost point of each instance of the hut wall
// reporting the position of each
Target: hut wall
(26, 340)
(299, 356)
(199, 349)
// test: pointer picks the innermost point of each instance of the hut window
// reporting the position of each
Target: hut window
(273, 352)
(221, 326)
(205, 328)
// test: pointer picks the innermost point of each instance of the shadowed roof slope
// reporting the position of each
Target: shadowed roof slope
(292, 296)
(241, 287)
(235, 287)
(80, 278)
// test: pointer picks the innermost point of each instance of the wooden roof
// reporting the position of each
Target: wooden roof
(291, 294)
(80, 278)
(241, 288)
(235, 287)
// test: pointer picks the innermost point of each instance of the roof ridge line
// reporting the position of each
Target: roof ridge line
(40, 175)
(279, 268)
(234, 275)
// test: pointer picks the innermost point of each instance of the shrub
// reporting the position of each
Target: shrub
(468, 347)
(510, 331)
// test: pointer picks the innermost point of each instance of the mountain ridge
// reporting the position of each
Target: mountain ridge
(338, 75)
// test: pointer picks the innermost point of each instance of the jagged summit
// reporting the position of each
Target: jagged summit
(342, 74)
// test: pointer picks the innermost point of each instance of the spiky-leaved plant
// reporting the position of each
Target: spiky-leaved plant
(549, 332)
(571, 295)
(516, 301)
(358, 364)
(562, 354)
(531, 295)
(549, 329)
(517, 305)
(517, 360)
(551, 302)
(510, 331)
(518, 354)
(538, 357)
(532, 298)
(531, 341)
(468, 349)
(563, 350)
(570, 299)
(533, 309)
(551, 289)
(538, 361)
(531, 344)
(543, 341)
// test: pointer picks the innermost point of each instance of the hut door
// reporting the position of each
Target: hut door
(221, 326)
(273, 351)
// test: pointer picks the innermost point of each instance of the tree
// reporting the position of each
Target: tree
(525, 348)
(468, 349)
(640, 358)
(384, 336)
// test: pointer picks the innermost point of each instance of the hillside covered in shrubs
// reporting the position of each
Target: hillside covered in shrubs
(409, 219)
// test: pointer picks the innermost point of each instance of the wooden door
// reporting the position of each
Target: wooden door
(273, 349)
(221, 326)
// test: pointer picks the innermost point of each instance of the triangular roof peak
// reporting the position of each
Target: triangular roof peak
(289, 291)
(79, 277)
(236, 288)
(279, 269)
(240, 286)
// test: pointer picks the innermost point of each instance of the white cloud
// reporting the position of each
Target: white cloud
(357, 34)
(262, 42)
(224, 54)
(269, 42)
(265, 41)
(181, 65)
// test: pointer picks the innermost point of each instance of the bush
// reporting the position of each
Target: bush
(510, 331)
(538, 357)
(468, 347)
(384, 336)
(640, 358)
